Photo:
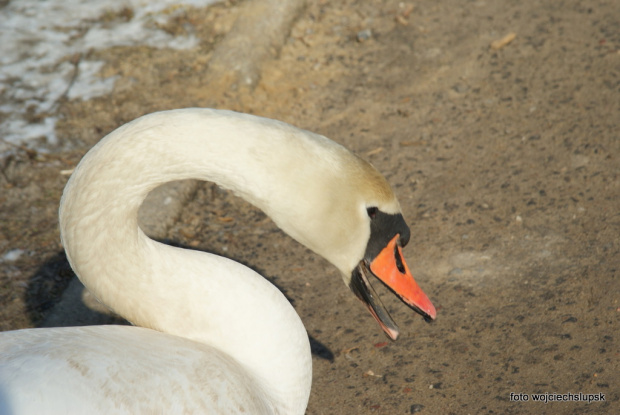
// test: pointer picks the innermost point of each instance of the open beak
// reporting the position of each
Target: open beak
(391, 269)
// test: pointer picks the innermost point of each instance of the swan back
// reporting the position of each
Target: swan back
(172, 374)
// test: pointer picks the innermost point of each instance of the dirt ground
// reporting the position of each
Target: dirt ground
(505, 161)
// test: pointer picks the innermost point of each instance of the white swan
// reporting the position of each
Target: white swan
(214, 336)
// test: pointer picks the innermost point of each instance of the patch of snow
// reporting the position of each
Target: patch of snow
(12, 255)
(37, 40)
(87, 85)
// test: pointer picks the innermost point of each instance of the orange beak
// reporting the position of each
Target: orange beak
(392, 270)
(390, 267)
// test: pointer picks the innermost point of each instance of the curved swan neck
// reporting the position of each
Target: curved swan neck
(190, 294)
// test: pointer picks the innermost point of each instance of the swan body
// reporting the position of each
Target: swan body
(214, 336)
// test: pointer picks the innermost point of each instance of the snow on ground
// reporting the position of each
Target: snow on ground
(38, 36)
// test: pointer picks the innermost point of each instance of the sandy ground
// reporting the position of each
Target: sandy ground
(505, 161)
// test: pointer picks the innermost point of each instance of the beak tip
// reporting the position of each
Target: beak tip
(423, 307)
(430, 316)
(432, 313)
(392, 334)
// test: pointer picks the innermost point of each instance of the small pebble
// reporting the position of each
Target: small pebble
(364, 35)
(460, 88)
(12, 255)
(416, 408)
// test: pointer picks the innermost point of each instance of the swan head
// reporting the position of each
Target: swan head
(353, 219)
(383, 256)
(383, 259)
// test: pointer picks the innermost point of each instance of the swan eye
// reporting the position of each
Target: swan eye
(372, 212)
